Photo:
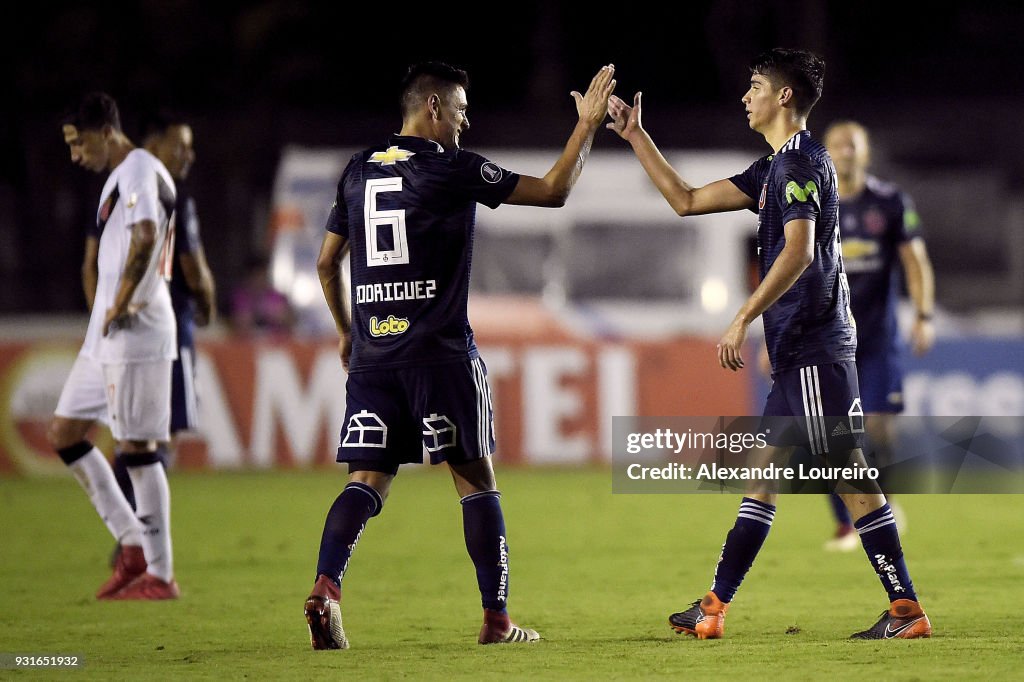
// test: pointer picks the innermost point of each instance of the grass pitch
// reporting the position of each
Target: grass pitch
(597, 574)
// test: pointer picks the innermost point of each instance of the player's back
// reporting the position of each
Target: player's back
(408, 209)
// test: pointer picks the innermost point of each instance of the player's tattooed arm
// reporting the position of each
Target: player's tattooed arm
(140, 250)
(328, 267)
(90, 269)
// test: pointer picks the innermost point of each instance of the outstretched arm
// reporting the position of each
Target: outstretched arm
(719, 196)
(921, 286)
(553, 189)
(328, 267)
(796, 255)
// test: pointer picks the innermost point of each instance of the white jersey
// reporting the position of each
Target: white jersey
(140, 188)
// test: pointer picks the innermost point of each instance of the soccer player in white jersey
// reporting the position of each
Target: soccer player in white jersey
(123, 372)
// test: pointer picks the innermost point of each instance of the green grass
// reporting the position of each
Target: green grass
(597, 574)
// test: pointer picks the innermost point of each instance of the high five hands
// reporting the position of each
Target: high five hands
(625, 118)
(593, 106)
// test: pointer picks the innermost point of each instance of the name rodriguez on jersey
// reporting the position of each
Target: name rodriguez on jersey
(386, 292)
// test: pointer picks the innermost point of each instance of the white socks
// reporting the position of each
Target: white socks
(97, 478)
(153, 509)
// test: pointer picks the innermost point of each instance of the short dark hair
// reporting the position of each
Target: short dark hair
(429, 76)
(801, 70)
(96, 110)
(156, 121)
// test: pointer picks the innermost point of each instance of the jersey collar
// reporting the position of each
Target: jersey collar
(796, 141)
(415, 144)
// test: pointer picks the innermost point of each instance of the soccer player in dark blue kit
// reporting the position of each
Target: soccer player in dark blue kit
(881, 231)
(405, 211)
(804, 298)
(168, 136)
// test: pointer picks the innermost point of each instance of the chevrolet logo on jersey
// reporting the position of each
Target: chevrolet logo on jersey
(810, 190)
(856, 249)
(393, 326)
(389, 157)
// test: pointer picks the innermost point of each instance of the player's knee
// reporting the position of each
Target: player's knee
(474, 476)
(54, 436)
(377, 481)
(376, 495)
(63, 433)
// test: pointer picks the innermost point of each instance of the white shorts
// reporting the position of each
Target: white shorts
(83, 395)
(139, 400)
(133, 399)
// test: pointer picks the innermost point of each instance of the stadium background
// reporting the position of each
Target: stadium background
(578, 318)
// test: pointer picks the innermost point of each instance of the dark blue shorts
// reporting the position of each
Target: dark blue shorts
(394, 415)
(816, 407)
(184, 404)
(881, 380)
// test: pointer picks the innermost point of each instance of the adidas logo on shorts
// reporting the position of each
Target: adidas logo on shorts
(841, 430)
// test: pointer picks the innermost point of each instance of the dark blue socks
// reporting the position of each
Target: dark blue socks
(484, 528)
(881, 542)
(742, 544)
(345, 523)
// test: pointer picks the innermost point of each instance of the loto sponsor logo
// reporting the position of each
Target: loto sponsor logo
(393, 326)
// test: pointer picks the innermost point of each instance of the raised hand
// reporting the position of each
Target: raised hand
(625, 118)
(593, 106)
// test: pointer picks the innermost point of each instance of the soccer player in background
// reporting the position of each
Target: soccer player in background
(804, 298)
(168, 137)
(123, 371)
(406, 210)
(880, 227)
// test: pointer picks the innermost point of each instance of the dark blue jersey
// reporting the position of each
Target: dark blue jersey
(186, 241)
(874, 224)
(811, 323)
(408, 210)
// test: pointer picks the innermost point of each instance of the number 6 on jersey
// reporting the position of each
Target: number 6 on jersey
(374, 219)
